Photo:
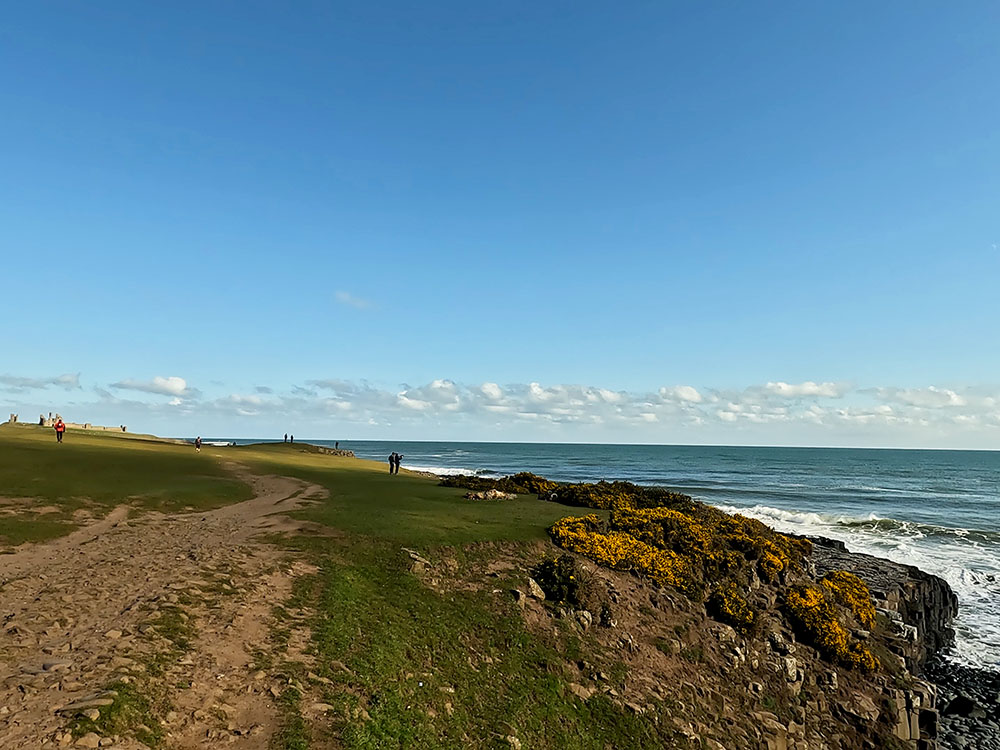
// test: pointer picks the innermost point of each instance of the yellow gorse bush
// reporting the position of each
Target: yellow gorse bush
(813, 613)
(728, 604)
(691, 549)
(850, 591)
(676, 541)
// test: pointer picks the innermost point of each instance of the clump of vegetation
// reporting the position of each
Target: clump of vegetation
(691, 551)
(131, 713)
(850, 591)
(615, 495)
(728, 604)
(814, 614)
(522, 483)
(601, 495)
(561, 579)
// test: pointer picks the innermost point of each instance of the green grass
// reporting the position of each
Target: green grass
(407, 508)
(131, 714)
(16, 530)
(393, 632)
(449, 670)
(98, 471)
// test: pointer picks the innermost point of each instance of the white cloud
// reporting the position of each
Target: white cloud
(930, 397)
(163, 386)
(773, 412)
(686, 393)
(808, 388)
(346, 298)
(68, 381)
(492, 391)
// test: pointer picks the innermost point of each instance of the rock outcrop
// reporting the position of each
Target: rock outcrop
(921, 605)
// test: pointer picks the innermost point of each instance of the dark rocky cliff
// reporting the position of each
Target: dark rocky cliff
(922, 605)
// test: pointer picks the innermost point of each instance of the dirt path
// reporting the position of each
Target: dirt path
(180, 604)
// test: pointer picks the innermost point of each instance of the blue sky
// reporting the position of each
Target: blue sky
(212, 212)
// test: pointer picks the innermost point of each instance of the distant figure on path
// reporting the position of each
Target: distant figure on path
(60, 428)
(286, 437)
(197, 443)
(336, 446)
(291, 438)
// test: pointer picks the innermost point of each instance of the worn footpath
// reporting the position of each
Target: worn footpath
(171, 612)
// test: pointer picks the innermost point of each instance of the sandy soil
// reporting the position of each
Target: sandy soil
(75, 616)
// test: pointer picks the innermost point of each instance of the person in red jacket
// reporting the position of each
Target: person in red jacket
(60, 428)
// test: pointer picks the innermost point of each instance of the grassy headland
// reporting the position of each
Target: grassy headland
(413, 628)
(403, 663)
(94, 472)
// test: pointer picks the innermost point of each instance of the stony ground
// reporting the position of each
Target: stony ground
(162, 618)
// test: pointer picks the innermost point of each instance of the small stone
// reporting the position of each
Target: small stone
(514, 742)
(259, 675)
(92, 713)
(112, 635)
(534, 590)
(90, 739)
(580, 691)
(324, 707)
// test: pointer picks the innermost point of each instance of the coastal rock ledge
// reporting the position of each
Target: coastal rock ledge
(922, 605)
(922, 608)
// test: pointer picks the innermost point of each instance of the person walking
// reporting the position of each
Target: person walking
(197, 443)
(291, 438)
(286, 438)
(392, 462)
(60, 428)
(399, 457)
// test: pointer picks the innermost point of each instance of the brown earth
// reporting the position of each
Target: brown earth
(178, 604)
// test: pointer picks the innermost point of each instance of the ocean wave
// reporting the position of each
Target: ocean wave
(868, 523)
(451, 471)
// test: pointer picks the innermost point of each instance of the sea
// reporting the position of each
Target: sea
(938, 510)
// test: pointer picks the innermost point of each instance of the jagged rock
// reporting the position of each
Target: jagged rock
(790, 667)
(534, 590)
(581, 691)
(584, 618)
(90, 739)
(779, 645)
(924, 604)
(862, 707)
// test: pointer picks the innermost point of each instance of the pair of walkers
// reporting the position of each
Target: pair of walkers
(394, 459)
